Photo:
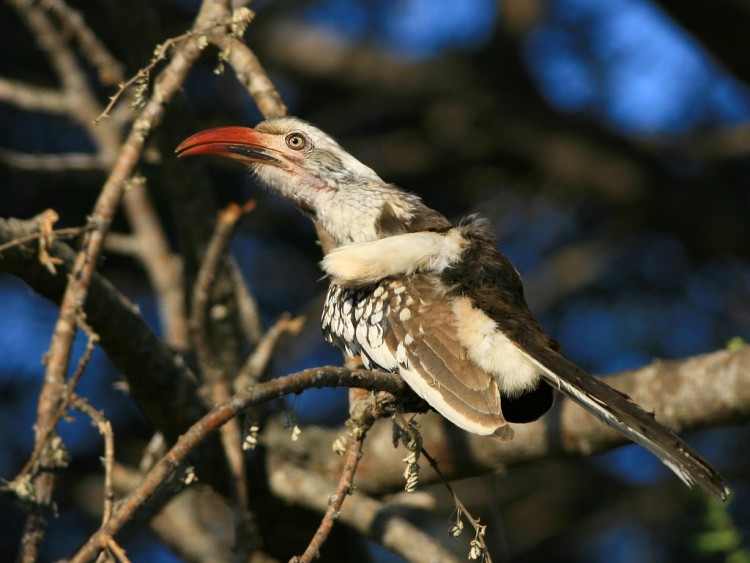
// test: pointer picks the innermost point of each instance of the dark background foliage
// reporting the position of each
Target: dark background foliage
(607, 142)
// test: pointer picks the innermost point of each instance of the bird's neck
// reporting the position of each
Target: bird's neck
(380, 211)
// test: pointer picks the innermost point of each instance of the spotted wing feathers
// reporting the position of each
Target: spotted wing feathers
(402, 325)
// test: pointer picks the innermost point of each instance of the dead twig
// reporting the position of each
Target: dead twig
(240, 16)
(117, 551)
(34, 464)
(80, 101)
(335, 502)
(105, 429)
(478, 547)
(69, 232)
(49, 454)
(155, 448)
(407, 432)
(158, 379)
(123, 243)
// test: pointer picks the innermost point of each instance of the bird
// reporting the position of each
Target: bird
(434, 301)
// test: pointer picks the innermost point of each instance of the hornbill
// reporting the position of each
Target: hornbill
(436, 302)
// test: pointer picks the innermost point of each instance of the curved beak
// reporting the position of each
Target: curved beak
(239, 143)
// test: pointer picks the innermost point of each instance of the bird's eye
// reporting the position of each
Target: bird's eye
(297, 141)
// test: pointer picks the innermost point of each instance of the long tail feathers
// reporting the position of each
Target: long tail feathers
(617, 410)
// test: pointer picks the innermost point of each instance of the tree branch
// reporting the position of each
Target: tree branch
(220, 415)
(158, 379)
(695, 393)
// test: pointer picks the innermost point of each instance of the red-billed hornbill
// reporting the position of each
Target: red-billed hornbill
(435, 302)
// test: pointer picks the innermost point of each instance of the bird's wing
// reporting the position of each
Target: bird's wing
(489, 290)
(619, 411)
(404, 325)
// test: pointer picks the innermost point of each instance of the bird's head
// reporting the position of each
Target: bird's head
(310, 169)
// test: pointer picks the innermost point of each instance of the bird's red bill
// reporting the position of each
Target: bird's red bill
(232, 142)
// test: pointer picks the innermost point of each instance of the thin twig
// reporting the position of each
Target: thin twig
(117, 551)
(152, 452)
(80, 99)
(32, 466)
(105, 429)
(123, 243)
(81, 102)
(335, 502)
(149, 366)
(160, 53)
(231, 440)
(48, 454)
(412, 439)
(93, 339)
(461, 510)
(181, 524)
(65, 233)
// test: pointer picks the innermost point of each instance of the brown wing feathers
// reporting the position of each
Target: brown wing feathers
(434, 354)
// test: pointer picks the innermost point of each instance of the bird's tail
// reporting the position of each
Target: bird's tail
(619, 411)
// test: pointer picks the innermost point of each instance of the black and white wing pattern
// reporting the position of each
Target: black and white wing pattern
(404, 325)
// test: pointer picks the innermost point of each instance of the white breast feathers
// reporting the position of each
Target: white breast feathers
(364, 263)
